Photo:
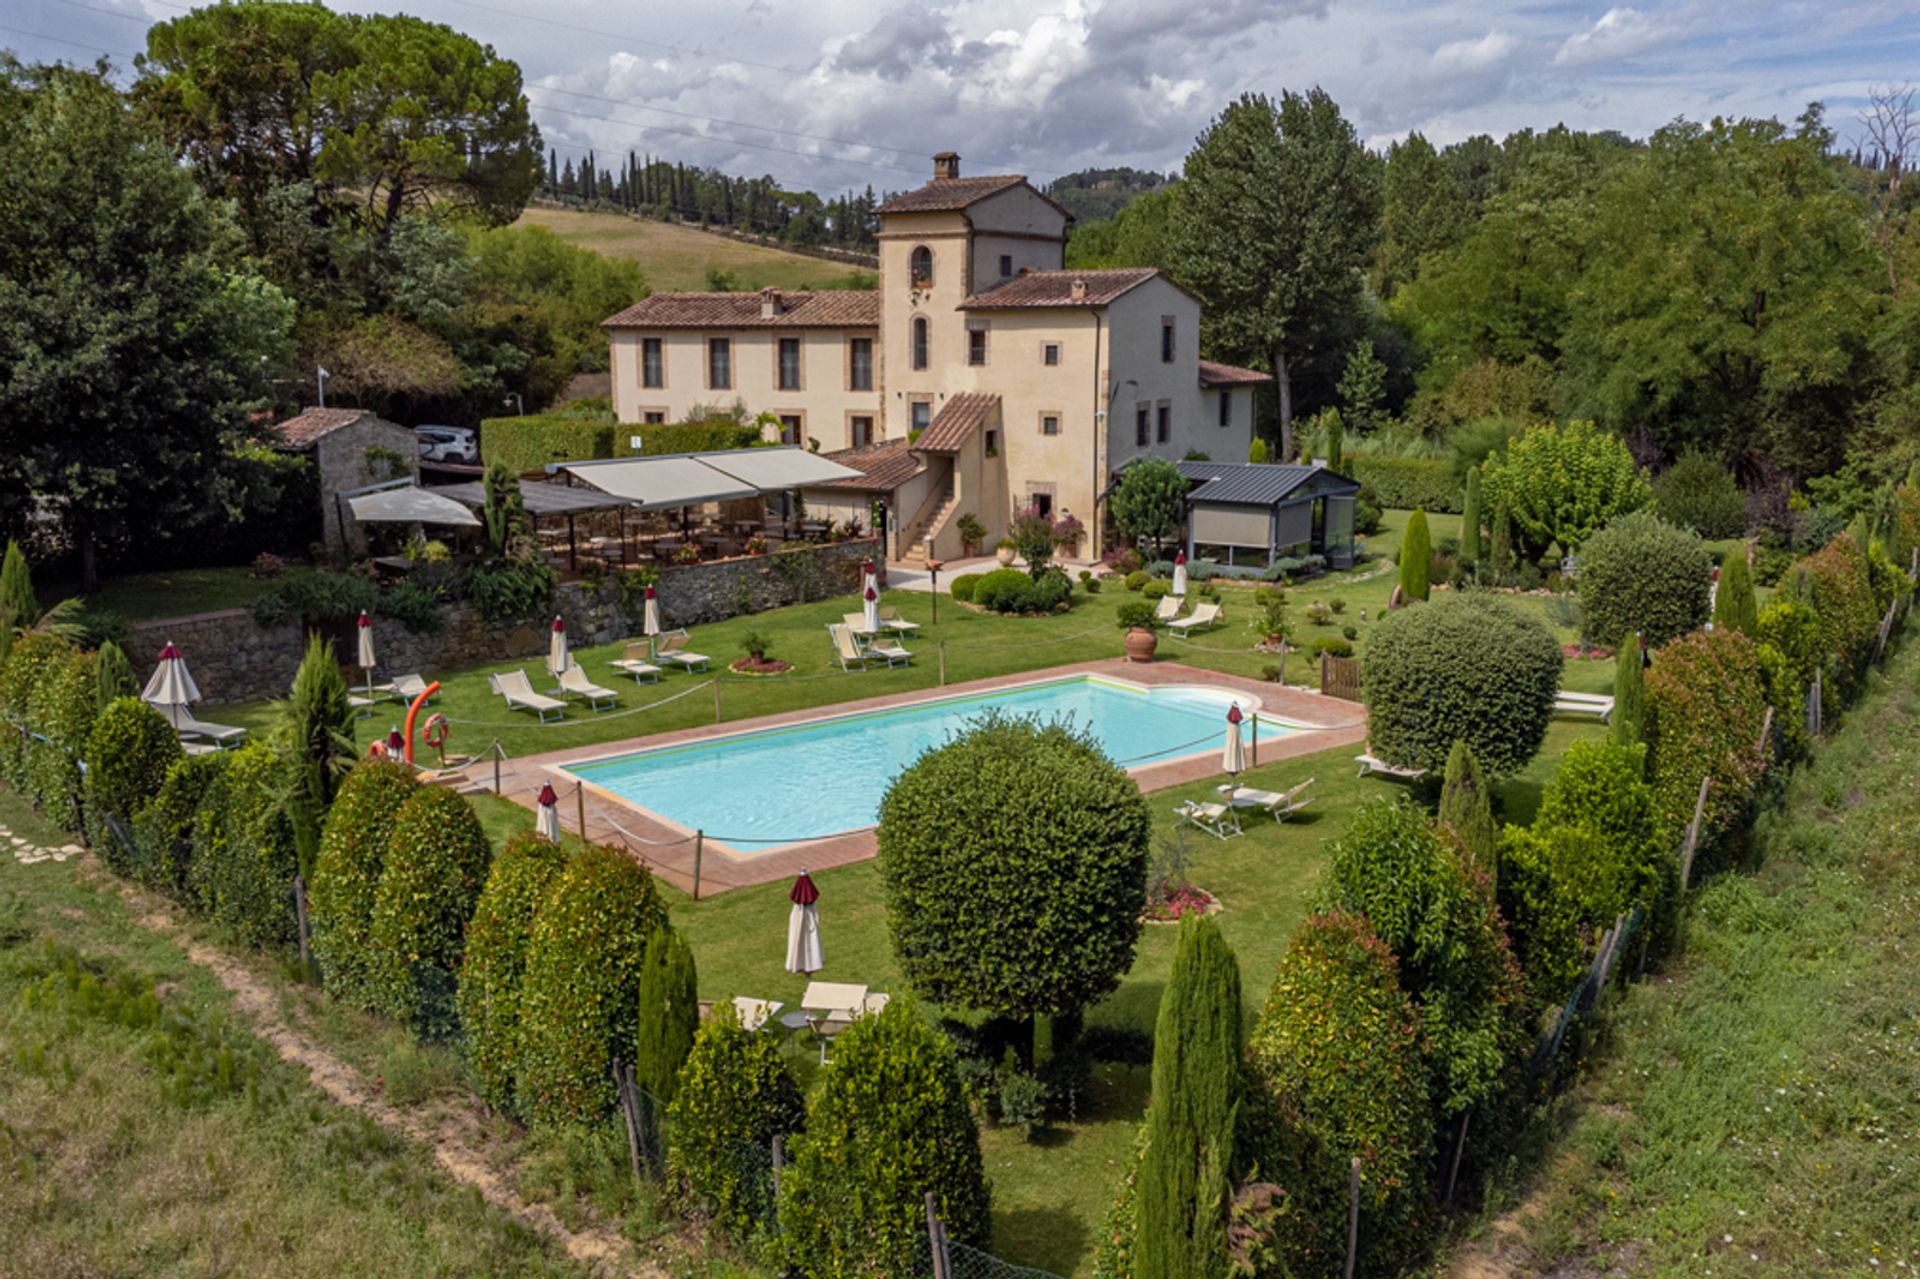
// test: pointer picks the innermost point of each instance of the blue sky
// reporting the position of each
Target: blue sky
(829, 96)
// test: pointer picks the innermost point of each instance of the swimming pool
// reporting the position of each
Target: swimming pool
(807, 781)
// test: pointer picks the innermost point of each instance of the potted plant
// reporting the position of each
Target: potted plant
(1003, 551)
(972, 533)
(1136, 618)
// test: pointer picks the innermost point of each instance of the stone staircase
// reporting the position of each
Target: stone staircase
(920, 535)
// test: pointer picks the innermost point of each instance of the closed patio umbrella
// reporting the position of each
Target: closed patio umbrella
(650, 627)
(804, 954)
(1234, 757)
(171, 689)
(546, 818)
(1180, 574)
(873, 611)
(869, 579)
(557, 658)
(366, 650)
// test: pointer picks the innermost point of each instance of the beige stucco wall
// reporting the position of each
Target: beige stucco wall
(1134, 324)
(945, 234)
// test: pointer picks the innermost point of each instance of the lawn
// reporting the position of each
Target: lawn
(169, 592)
(677, 257)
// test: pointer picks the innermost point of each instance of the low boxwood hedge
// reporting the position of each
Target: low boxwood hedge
(1404, 483)
(243, 855)
(736, 1095)
(346, 876)
(495, 962)
(129, 754)
(435, 866)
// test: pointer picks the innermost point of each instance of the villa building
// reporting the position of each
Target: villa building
(980, 377)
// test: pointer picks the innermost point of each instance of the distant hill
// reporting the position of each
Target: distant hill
(678, 258)
(1093, 194)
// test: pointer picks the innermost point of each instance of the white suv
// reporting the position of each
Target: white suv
(447, 444)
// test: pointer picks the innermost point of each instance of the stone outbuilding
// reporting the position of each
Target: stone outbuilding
(351, 448)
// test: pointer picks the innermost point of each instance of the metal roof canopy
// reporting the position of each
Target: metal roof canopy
(539, 499)
(1261, 483)
(687, 479)
(408, 504)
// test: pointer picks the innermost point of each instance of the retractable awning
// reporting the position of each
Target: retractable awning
(771, 470)
(409, 505)
(688, 479)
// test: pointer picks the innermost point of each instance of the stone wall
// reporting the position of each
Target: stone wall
(233, 660)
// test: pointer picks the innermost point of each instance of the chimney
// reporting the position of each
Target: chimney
(769, 302)
(946, 164)
(1079, 289)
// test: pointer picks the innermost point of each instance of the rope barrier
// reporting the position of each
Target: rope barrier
(641, 839)
(598, 719)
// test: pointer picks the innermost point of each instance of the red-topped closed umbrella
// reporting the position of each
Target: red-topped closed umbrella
(869, 579)
(557, 658)
(872, 611)
(650, 627)
(171, 690)
(546, 818)
(1180, 574)
(1234, 757)
(804, 954)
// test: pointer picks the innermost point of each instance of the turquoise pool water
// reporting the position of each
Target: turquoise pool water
(807, 781)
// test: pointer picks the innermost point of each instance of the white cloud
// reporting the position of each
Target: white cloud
(1619, 33)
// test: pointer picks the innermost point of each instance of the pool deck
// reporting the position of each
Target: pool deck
(669, 851)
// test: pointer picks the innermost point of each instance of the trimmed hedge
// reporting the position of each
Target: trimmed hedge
(346, 878)
(1462, 667)
(495, 963)
(1404, 483)
(1789, 636)
(60, 709)
(964, 586)
(1011, 590)
(1835, 581)
(529, 443)
(1642, 574)
(578, 1005)
(684, 437)
(736, 1095)
(31, 654)
(165, 827)
(435, 866)
(243, 858)
(889, 1124)
(1706, 700)
(129, 754)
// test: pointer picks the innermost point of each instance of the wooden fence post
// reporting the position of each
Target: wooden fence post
(300, 917)
(580, 808)
(699, 847)
(1814, 715)
(1693, 833)
(1256, 740)
(1459, 1148)
(496, 766)
(1353, 1215)
(1886, 629)
(936, 1240)
(627, 1113)
(1766, 731)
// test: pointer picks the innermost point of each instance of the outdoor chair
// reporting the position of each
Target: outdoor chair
(673, 648)
(403, 688)
(1371, 763)
(520, 696)
(1595, 704)
(1282, 804)
(857, 623)
(574, 680)
(891, 619)
(634, 662)
(1204, 617)
(845, 647)
(1168, 608)
(756, 1014)
(891, 652)
(1217, 820)
(186, 725)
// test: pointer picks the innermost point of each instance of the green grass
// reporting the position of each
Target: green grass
(170, 592)
(1754, 1110)
(676, 258)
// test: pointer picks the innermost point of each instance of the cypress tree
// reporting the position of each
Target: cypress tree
(1470, 519)
(1500, 553)
(1186, 1180)
(1466, 809)
(18, 608)
(113, 676)
(1257, 451)
(1336, 441)
(1416, 549)
(1734, 608)
(669, 1013)
(1629, 694)
(317, 721)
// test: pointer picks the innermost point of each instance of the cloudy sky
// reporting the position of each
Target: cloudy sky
(831, 96)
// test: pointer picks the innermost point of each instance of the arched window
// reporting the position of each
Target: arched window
(921, 267)
(919, 341)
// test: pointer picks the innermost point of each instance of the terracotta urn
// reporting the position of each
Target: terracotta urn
(1141, 642)
(1005, 555)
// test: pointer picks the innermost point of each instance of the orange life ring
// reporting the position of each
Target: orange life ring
(435, 732)
(378, 749)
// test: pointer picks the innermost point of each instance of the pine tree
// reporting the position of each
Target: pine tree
(113, 676)
(1336, 440)
(1416, 550)
(1186, 1180)
(1734, 608)
(553, 169)
(1466, 809)
(1470, 519)
(1629, 694)
(669, 1014)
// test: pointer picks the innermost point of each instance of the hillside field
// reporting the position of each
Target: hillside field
(676, 258)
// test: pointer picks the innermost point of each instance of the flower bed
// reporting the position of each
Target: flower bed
(1169, 904)
(771, 666)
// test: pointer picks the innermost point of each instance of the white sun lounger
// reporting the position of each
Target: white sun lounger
(520, 696)
(1204, 617)
(673, 648)
(1370, 763)
(1167, 609)
(574, 680)
(756, 1013)
(1565, 703)
(403, 688)
(891, 619)
(187, 726)
(845, 647)
(634, 662)
(891, 652)
(1281, 803)
(1218, 820)
(857, 623)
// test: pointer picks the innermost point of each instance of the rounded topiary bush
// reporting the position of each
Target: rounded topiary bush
(1464, 667)
(1014, 863)
(346, 875)
(964, 586)
(579, 1003)
(60, 709)
(890, 1124)
(1706, 702)
(736, 1095)
(495, 963)
(1009, 590)
(164, 829)
(19, 674)
(243, 855)
(129, 754)
(1642, 574)
(1698, 493)
(435, 866)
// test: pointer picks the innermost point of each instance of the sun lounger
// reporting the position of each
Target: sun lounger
(891, 652)
(574, 680)
(845, 647)
(673, 648)
(1204, 617)
(1281, 803)
(1167, 609)
(187, 726)
(520, 696)
(832, 1007)
(756, 1013)
(1374, 764)
(634, 662)
(199, 748)
(1596, 704)
(891, 619)
(402, 688)
(1218, 820)
(857, 623)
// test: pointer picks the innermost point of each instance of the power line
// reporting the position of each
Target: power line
(71, 44)
(738, 124)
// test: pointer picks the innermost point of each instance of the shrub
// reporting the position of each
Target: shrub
(1289, 567)
(1138, 579)
(1014, 864)
(495, 962)
(1628, 723)
(1834, 581)
(889, 1125)
(113, 676)
(60, 710)
(964, 585)
(316, 725)
(1559, 484)
(1465, 667)
(128, 753)
(1135, 613)
(1466, 808)
(415, 606)
(1117, 1255)
(1185, 1184)
(1156, 590)
(1790, 652)
(512, 590)
(1705, 704)
(529, 442)
(19, 673)
(736, 1095)
(578, 1006)
(1642, 574)
(1470, 518)
(1338, 646)
(1402, 483)
(435, 866)
(307, 599)
(1008, 590)
(1123, 560)
(164, 828)
(1416, 551)
(1734, 608)
(1698, 493)
(1339, 1045)
(243, 859)
(669, 1013)
(346, 876)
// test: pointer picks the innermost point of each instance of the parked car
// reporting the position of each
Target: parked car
(447, 444)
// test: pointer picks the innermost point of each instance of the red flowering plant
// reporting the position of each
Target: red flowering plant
(1169, 895)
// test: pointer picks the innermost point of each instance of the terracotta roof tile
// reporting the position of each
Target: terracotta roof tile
(945, 195)
(310, 424)
(824, 309)
(883, 467)
(957, 419)
(1055, 288)
(1214, 373)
